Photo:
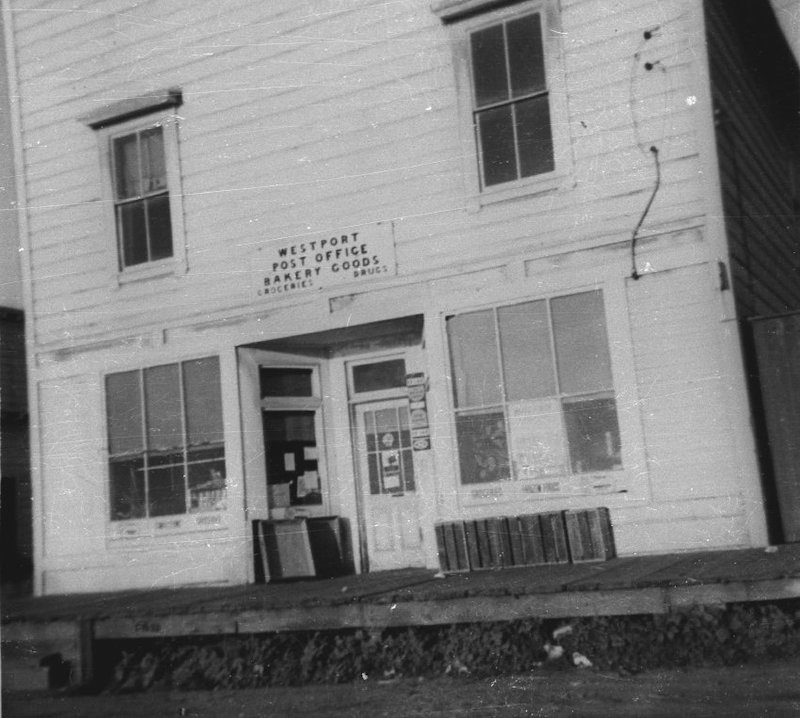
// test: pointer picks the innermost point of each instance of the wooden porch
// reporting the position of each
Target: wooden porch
(70, 624)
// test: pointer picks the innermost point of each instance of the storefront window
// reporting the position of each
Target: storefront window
(533, 390)
(165, 439)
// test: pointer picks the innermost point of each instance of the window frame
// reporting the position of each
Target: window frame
(189, 519)
(360, 397)
(571, 483)
(106, 135)
(479, 16)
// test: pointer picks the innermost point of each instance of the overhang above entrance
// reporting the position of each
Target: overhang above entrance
(400, 331)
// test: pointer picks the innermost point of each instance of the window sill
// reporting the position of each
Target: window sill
(146, 272)
(125, 532)
(601, 483)
(529, 187)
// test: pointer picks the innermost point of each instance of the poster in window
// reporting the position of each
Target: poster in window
(537, 438)
(482, 447)
(390, 466)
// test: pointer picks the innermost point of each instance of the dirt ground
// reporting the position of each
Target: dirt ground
(769, 689)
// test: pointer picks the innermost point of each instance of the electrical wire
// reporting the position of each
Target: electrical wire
(634, 271)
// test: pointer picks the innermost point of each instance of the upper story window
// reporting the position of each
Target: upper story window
(141, 197)
(513, 100)
(139, 160)
(511, 107)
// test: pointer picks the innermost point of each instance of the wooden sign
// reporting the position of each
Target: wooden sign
(291, 266)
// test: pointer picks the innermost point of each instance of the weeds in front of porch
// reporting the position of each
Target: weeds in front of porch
(700, 636)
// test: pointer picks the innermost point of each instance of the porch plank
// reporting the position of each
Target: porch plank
(620, 573)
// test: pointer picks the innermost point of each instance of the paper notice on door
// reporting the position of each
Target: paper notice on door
(310, 453)
(307, 483)
(391, 482)
(390, 463)
(288, 462)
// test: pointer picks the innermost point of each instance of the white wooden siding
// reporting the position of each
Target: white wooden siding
(682, 390)
(301, 120)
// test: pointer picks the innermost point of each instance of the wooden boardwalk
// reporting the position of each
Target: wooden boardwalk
(647, 584)
(70, 625)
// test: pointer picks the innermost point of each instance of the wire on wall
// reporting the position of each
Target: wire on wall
(634, 272)
(653, 149)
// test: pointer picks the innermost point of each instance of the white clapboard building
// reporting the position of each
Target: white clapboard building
(400, 263)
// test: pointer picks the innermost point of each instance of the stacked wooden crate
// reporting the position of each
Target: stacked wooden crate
(527, 540)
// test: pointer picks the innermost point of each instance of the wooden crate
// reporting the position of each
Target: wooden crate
(589, 535)
(451, 543)
(554, 537)
(283, 549)
(499, 542)
(515, 536)
(329, 540)
(530, 532)
(474, 554)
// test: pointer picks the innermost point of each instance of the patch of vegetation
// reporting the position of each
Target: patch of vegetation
(697, 636)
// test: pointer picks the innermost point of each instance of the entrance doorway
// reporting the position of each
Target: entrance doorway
(387, 484)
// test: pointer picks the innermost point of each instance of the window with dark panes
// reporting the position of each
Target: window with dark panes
(166, 440)
(290, 411)
(533, 390)
(141, 197)
(511, 107)
(379, 376)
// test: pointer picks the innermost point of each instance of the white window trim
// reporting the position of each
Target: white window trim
(170, 266)
(477, 195)
(363, 397)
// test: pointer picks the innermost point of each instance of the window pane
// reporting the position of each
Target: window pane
(496, 135)
(124, 411)
(126, 165)
(133, 233)
(473, 350)
(163, 401)
(534, 136)
(593, 434)
(525, 55)
(285, 382)
(389, 374)
(407, 464)
(489, 66)
(127, 489)
(203, 401)
(154, 172)
(386, 423)
(482, 447)
(526, 347)
(374, 474)
(538, 448)
(207, 479)
(158, 222)
(167, 488)
(579, 327)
